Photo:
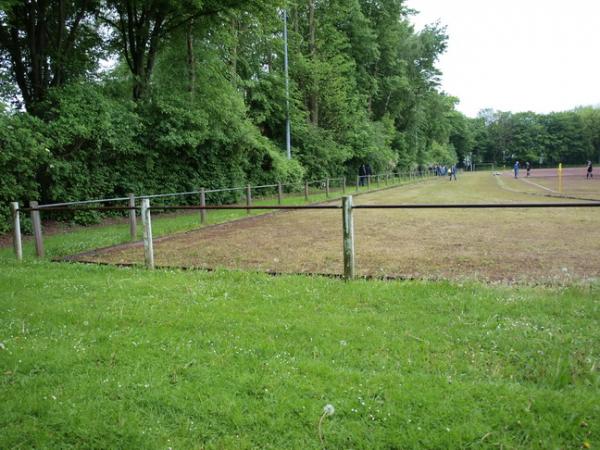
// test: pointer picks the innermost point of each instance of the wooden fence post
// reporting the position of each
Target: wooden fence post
(37, 229)
(369, 182)
(202, 204)
(248, 197)
(148, 245)
(348, 233)
(306, 190)
(17, 243)
(326, 187)
(343, 185)
(378, 180)
(279, 192)
(132, 217)
(357, 182)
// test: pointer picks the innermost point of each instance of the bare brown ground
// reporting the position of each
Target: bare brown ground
(539, 245)
(546, 181)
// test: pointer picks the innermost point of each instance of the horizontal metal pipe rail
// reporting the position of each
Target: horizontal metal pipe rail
(479, 205)
(84, 202)
(264, 207)
(196, 192)
(86, 208)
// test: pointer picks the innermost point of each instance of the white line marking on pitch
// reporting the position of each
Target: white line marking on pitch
(539, 185)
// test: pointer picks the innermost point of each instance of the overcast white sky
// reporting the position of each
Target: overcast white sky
(518, 55)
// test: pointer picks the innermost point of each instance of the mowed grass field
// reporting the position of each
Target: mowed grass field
(523, 245)
(107, 357)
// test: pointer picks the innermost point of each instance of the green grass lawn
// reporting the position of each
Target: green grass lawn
(105, 357)
(127, 358)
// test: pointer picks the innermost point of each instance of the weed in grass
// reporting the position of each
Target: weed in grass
(328, 410)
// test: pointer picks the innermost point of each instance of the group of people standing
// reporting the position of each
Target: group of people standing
(442, 170)
(517, 167)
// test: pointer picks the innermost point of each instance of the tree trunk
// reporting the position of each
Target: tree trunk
(313, 99)
(234, 50)
(191, 60)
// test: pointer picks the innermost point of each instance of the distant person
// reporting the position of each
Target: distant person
(369, 172)
(516, 169)
(452, 172)
(589, 171)
(528, 168)
(362, 173)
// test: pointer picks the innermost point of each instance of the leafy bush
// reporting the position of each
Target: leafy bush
(23, 154)
(94, 146)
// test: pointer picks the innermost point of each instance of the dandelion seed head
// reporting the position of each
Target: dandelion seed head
(328, 410)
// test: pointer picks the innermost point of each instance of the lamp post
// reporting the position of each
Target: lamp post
(288, 144)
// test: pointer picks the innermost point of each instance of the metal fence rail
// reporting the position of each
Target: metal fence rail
(323, 182)
(346, 206)
(323, 185)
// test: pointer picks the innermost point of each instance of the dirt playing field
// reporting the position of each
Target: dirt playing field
(538, 245)
(573, 183)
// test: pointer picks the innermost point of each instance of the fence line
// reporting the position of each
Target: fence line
(347, 220)
(83, 202)
(324, 184)
(181, 194)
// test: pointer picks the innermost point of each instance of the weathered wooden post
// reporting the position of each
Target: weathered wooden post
(306, 190)
(132, 217)
(348, 233)
(279, 192)
(326, 187)
(17, 243)
(343, 185)
(37, 229)
(369, 182)
(202, 204)
(248, 198)
(378, 180)
(357, 182)
(148, 245)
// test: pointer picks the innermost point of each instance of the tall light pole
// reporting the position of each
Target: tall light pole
(288, 142)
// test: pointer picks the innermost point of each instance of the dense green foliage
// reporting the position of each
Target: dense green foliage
(570, 137)
(196, 96)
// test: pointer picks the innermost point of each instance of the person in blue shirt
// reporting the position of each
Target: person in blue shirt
(452, 172)
(516, 169)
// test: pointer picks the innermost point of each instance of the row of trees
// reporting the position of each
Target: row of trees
(570, 137)
(104, 97)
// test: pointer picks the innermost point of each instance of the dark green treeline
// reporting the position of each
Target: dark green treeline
(569, 137)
